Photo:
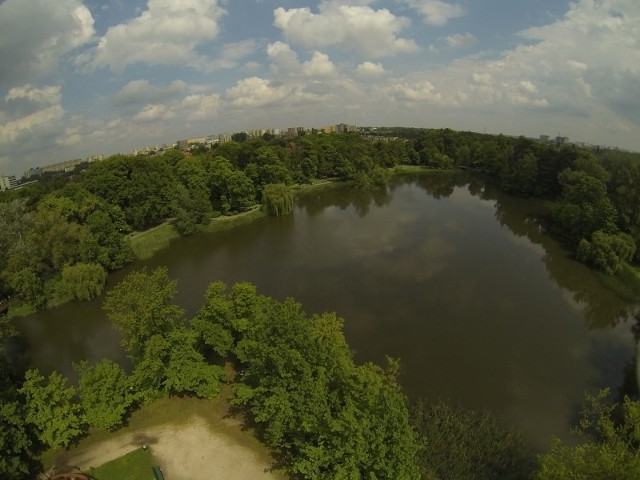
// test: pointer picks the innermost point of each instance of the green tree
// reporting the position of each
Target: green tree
(461, 444)
(584, 207)
(15, 221)
(232, 191)
(107, 243)
(142, 187)
(239, 137)
(193, 206)
(607, 252)
(608, 450)
(16, 442)
(213, 324)
(277, 199)
(105, 395)
(58, 239)
(84, 281)
(329, 418)
(142, 306)
(51, 408)
(172, 365)
(27, 282)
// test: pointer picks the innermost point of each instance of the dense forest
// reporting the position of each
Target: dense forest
(326, 416)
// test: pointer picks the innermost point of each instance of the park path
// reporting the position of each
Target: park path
(184, 452)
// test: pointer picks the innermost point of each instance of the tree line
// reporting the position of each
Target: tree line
(594, 194)
(60, 237)
(323, 415)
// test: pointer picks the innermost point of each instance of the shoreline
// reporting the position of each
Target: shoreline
(145, 244)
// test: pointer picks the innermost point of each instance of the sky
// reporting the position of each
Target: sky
(88, 77)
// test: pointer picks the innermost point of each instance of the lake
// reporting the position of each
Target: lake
(457, 281)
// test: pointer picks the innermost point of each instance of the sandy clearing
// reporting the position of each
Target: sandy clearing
(184, 452)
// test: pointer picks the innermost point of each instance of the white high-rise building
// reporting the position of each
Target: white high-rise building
(7, 183)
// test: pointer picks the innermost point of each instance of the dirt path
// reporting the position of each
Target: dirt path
(184, 452)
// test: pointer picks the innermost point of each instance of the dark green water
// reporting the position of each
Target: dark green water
(459, 283)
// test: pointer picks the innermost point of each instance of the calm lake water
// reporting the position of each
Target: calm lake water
(458, 282)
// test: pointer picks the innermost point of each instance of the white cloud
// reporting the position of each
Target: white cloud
(351, 27)
(153, 112)
(48, 95)
(461, 40)
(166, 33)
(255, 92)
(138, 92)
(370, 69)
(285, 63)
(232, 54)
(528, 87)
(30, 111)
(73, 136)
(200, 107)
(436, 12)
(36, 34)
(319, 66)
(177, 99)
(580, 73)
(417, 92)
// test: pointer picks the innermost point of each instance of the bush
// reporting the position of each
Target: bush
(464, 444)
(606, 252)
(84, 281)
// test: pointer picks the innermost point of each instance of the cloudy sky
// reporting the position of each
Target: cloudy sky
(84, 77)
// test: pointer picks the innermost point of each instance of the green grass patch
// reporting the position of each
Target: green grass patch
(224, 223)
(316, 185)
(135, 465)
(405, 168)
(410, 169)
(146, 244)
(19, 308)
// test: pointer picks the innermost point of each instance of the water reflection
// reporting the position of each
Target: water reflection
(314, 203)
(603, 308)
(439, 270)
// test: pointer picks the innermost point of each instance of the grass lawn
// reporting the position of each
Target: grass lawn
(223, 223)
(137, 465)
(146, 244)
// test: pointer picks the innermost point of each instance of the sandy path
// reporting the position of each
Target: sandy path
(184, 452)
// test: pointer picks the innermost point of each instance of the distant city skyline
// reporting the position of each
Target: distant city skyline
(106, 76)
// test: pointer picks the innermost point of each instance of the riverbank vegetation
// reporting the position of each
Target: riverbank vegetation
(322, 415)
(86, 217)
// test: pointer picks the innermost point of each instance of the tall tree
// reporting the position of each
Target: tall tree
(83, 281)
(329, 418)
(277, 199)
(172, 365)
(51, 408)
(105, 395)
(584, 207)
(142, 306)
